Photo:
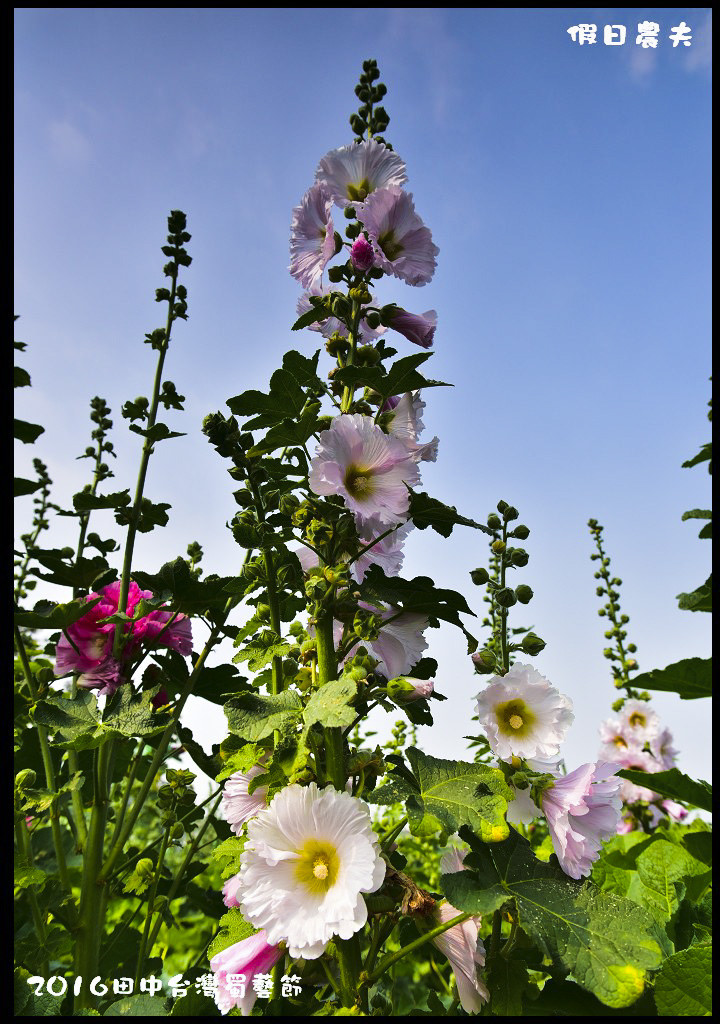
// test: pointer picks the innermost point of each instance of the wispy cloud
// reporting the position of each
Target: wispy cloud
(699, 56)
(68, 144)
(426, 31)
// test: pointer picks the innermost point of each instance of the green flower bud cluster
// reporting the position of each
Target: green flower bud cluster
(370, 118)
(496, 655)
(622, 664)
(175, 793)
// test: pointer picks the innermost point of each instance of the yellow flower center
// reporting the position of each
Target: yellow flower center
(317, 866)
(619, 742)
(358, 191)
(390, 245)
(359, 483)
(514, 717)
(637, 718)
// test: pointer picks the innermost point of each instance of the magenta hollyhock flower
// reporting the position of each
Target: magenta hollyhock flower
(87, 647)
(582, 809)
(362, 254)
(465, 951)
(235, 967)
(407, 424)
(352, 173)
(237, 805)
(403, 244)
(369, 469)
(312, 237)
(330, 326)
(420, 329)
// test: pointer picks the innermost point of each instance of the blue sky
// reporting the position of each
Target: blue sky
(568, 189)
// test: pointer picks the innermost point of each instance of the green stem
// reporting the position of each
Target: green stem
(504, 653)
(392, 958)
(150, 907)
(24, 845)
(48, 766)
(392, 835)
(348, 391)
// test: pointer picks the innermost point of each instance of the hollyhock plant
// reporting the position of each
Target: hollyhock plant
(522, 715)
(351, 173)
(312, 237)
(369, 469)
(405, 422)
(420, 329)
(235, 967)
(582, 809)
(237, 805)
(308, 859)
(403, 244)
(366, 335)
(86, 646)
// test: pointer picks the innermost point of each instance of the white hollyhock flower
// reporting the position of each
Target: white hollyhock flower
(522, 715)
(307, 861)
(640, 721)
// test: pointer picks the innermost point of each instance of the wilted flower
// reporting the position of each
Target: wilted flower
(582, 810)
(369, 469)
(420, 329)
(403, 244)
(522, 715)
(235, 967)
(312, 237)
(308, 859)
(352, 173)
(88, 646)
(237, 805)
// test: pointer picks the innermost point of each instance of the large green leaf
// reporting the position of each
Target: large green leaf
(401, 377)
(673, 784)
(233, 928)
(77, 721)
(253, 717)
(606, 942)
(47, 615)
(455, 793)
(699, 600)
(662, 869)
(426, 511)
(691, 678)
(330, 705)
(682, 987)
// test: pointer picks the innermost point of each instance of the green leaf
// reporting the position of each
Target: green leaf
(158, 432)
(233, 928)
(455, 793)
(253, 717)
(312, 316)
(189, 594)
(304, 370)
(607, 943)
(22, 486)
(289, 433)
(25, 876)
(262, 650)
(87, 502)
(691, 678)
(699, 600)
(21, 378)
(704, 455)
(673, 784)
(682, 986)
(26, 432)
(662, 868)
(507, 979)
(330, 705)
(697, 513)
(419, 595)
(47, 615)
(228, 855)
(401, 377)
(426, 511)
(78, 574)
(286, 399)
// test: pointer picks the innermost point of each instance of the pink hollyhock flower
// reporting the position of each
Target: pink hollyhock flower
(369, 469)
(407, 425)
(87, 647)
(387, 553)
(522, 715)
(352, 173)
(366, 335)
(466, 953)
(237, 805)
(582, 810)
(400, 643)
(235, 968)
(663, 750)
(616, 738)
(229, 890)
(676, 811)
(362, 254)
(626, 824)
(312, 238)
(420, 329)
(640, 761)
(403, 244)
(639, 721)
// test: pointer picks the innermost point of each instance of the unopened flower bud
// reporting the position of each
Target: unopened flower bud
(145, 869)
(25, 779)
(362, 254)
(523, 593)
(519, 557)
(505, 597)
(532, 644)
(498, 546)
(509, 513)
(501, 506)
(618, 704)
(335, 274)
(367, 355)
(177, 831)
(407, 688)
(521, 532)
(494, 522)
(479, 576)
(484, 661)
